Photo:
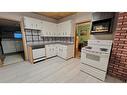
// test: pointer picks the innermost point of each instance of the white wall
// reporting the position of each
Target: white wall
(85, 16)
(18, 15)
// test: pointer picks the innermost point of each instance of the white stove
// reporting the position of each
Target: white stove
(95, 57)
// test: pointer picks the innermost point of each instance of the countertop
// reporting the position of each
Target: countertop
(41, 44)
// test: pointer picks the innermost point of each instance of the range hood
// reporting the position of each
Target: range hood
(96, 16)
(102, 22)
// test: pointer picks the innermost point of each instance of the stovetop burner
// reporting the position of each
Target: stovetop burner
(96, 49)
(88, 47)
(104, 49)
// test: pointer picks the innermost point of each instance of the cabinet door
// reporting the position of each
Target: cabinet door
(68, 28)
(64, 29)
(64, 55)
(70, 51)
(54, 30)
(28, 23)
(48, 28)
(47, 51)
(37, 53)
(39, 24)
(64, 52)
(34, 23)
(51, 29)
(56, 49)
(53, 50)
(45, 28)
(31, 23)
(59, 29)
(61, 51)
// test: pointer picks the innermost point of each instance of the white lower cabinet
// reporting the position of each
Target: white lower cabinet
(67, 51)
(50, 51)
(38, 53)
(63, 51)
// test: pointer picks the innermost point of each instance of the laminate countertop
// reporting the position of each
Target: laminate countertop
(40, 44)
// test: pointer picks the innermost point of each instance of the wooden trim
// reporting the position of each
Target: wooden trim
(24, 39)
(85, 21)
(75, 30)
(30, 57)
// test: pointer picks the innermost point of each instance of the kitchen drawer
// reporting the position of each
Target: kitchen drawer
(37, 53)
(93, 71)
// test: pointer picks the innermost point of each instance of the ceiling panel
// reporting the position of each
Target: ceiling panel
(56, 15)
(5, 22)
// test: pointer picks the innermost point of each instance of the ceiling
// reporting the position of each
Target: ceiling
(56, 15)
(5, 22)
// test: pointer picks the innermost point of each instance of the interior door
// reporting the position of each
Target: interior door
(82, 35)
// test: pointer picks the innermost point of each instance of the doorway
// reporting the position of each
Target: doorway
(82, 34)
(11, 44)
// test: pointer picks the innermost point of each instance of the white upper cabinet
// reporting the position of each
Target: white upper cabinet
(59, 32)
(31, 23)
(61, 29)
(65, 28)
(68, 28)
(48, 28)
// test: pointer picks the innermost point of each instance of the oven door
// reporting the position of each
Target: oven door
(97, 60)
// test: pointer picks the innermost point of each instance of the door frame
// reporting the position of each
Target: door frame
(24, 38)
(75, 34)
(23, 33)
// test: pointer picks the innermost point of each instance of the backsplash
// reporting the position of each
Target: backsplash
(33, 36)
(58, 39)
